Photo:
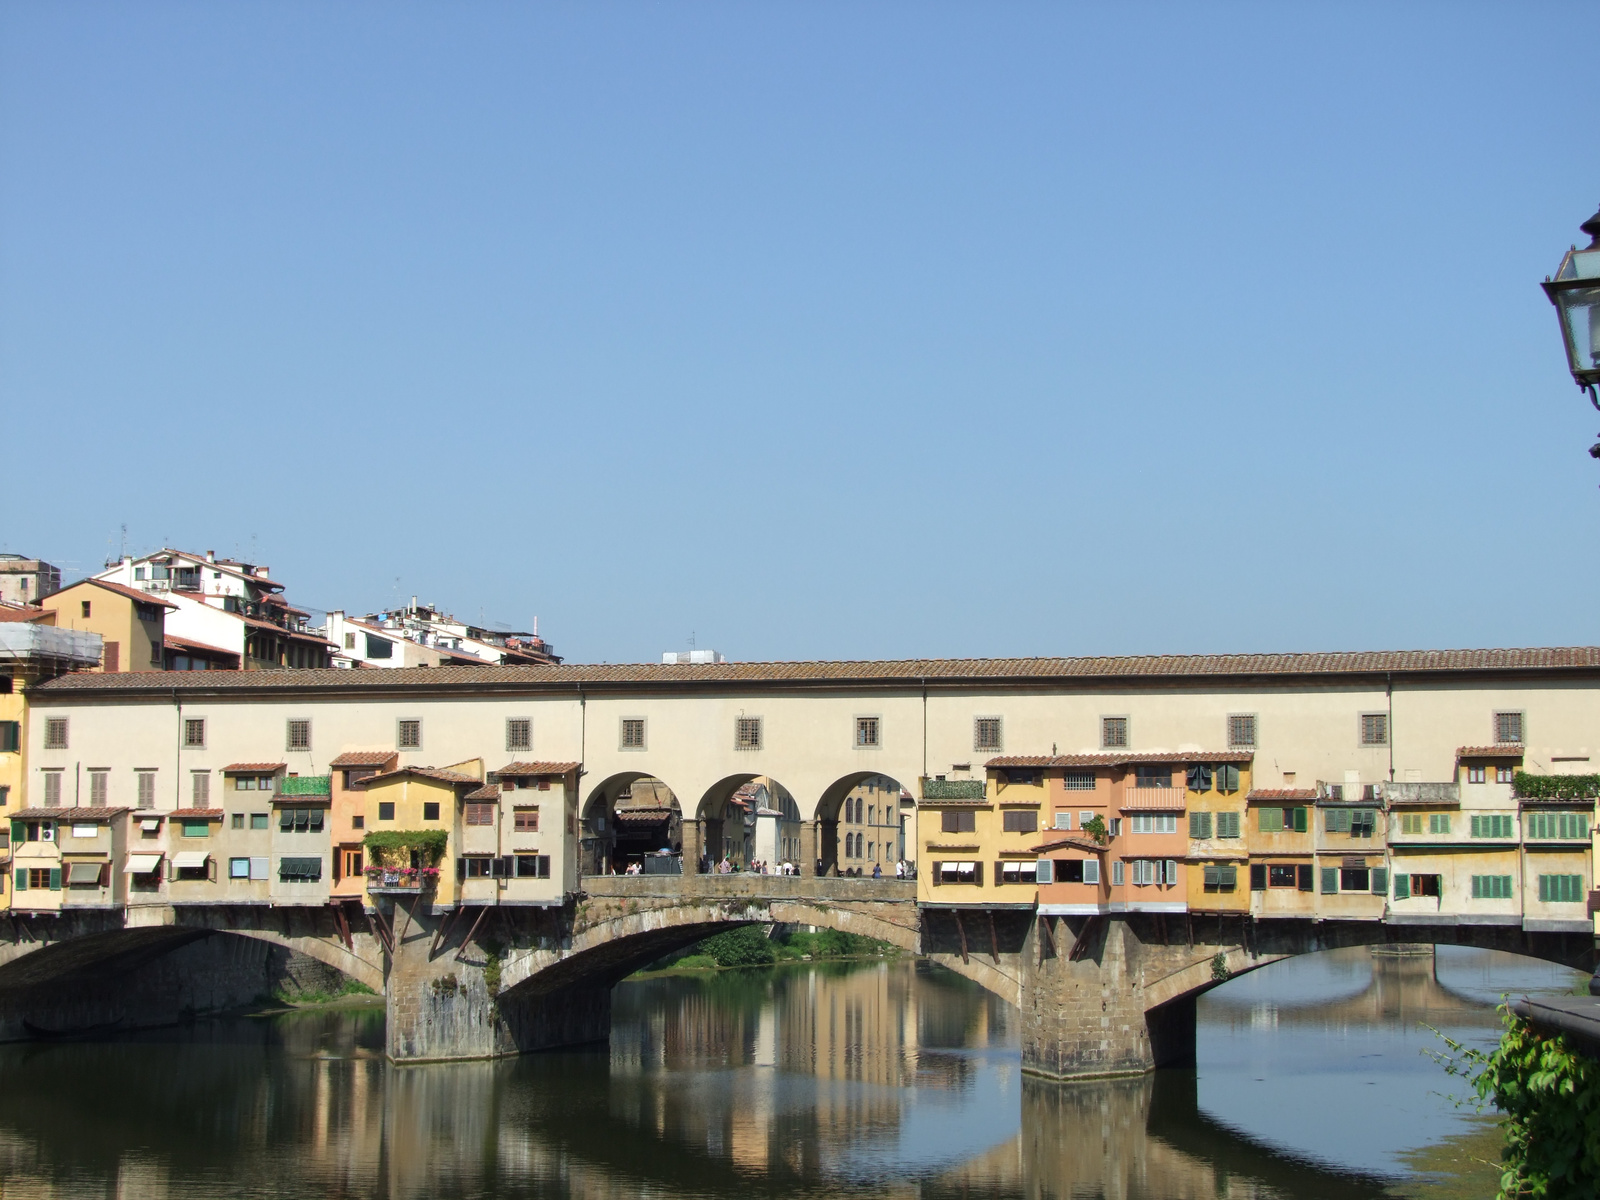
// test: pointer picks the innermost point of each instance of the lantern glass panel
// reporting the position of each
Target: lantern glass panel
(1580, 321)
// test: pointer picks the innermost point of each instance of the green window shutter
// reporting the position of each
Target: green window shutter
(1544, 887)
(1300, 825)
(1505, 887)
(1477, 886)
(10, 735)
(17, 832)
(22, 879)
(1213, 877)
(1258, 877)
(1380, 880)
(1228, 877)
(1402, 887)
(55, 879)
(1330, 880)
(1227, 778)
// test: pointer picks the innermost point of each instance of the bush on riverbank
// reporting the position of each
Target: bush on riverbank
(1551, 1100)
(751, 947)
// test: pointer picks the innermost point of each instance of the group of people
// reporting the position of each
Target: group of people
(902, 870)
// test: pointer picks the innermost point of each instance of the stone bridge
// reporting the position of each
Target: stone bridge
(1099, 996)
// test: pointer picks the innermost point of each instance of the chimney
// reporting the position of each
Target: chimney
(211, 556)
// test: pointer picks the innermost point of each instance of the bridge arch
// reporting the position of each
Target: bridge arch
(749, 817)
(865, 819)
(627, 816)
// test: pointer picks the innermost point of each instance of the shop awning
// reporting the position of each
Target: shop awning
(143, 864)
(190, 860)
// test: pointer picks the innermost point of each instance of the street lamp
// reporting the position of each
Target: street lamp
(1575, 291)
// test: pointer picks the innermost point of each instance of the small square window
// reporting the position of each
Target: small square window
(747, 733)
(986, 733)
(55, 733)
(1114, 733)
(237, 822)
(430, 810)
(1374, 729)
(1508, 728)
(238, 868)
(632, 733)
(385, 810)
(1241, 731)
(519, 733)
(526, 820)
(358, 821)
(1503, 774)
(866, 731)
(258, 820)
(1475, 774)
(194, 733)
(299, 734)
(408, 734)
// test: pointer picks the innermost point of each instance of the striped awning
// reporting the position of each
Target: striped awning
(1157, 799)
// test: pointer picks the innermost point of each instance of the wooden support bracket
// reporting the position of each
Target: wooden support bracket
(994, 940)
(382, 928)
(962, 930)
(1048, 939)
(343, 922)
(1081, 945)
(483, 911)
(443, 932)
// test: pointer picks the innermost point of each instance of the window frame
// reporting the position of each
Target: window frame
(190, 741)
(54, 726)
(524, 726)
(1361, 729)
(400, 724)
(291, 726)
(1237, 744)
(1521, 716)
(980, 724)
(748, 734)
(643, 743)
(1125, 731)
(865, 722)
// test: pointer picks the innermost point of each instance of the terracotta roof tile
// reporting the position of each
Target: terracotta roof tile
(22, 612)
(120, 589)
(363, 758)
(438, 773)
(1121, 759)
(489, 791)
(909, 672)
(1075, 843)
(257, 768)
(66, 814)
(518, 769)
(1503, 750)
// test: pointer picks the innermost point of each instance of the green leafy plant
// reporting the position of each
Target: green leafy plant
(745, 947)
(1556, 787)
(1550, 1096)
(1095, 827)
(430, 842)
(1219, 968)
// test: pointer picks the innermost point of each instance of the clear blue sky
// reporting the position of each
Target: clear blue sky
(818, 330)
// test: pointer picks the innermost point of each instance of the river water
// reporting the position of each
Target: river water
(876, 1078)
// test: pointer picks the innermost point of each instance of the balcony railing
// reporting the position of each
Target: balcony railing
(400, 880)
(952, 789)
(1418, 793)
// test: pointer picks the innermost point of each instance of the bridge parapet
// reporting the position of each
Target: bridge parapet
(744, 886)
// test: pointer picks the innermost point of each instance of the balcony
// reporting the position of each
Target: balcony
(953, 789)
(401, 881)
(1442, 794)
(305, 785)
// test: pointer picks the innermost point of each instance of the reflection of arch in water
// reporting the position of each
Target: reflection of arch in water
(627, 819)
(133, 978)
(749, 818)
(865, 819)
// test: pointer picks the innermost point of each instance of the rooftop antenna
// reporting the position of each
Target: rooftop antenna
(124, 552)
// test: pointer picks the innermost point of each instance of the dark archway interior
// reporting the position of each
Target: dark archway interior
(631, 821)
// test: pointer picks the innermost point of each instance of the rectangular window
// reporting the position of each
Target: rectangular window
(1269, 820)
(1491, 887)
(1114, 733)
(238, 868)
(1015, 872)
(200, 789)
(476, 868)
(1084, 817)
(55, 733)
(298, 735)
(958, 821)
(1411, 823)
(1152, 777)
(194, 733)
(1143, 872)
(1280, 875)
(1220, 878)
(1561, 889)
(1336, 820)
(1438, 822)
(1364, 822)
(1241, 731)
(1491, 825)
(1258, 877)
(747, 733)
(633, 733)
(525, 820)
(408, 734)
(358, 821)
(1330, 880)
(1063, 820)
(98, 789)
(1508, 728)
(430, 810)
(519, 733)
(1078, 781)
(986, 733)
(236, 821)
(1024, 776)
(1227, 824)
(299, 870)
(1418, 885)
(1199, 778)
(52, 789)
(385, 810)
(1374, 729)
(866, 731)
(147, 789)
(258, 820)
(480, 814)
(1504, 774)
(1154, 823)
(1019, 821)
(533, 866)
(10, 736)
(1561, 826)
(196, 829)
(1354, 879)
(1475, 774)
(1118, 873)
(1200, 825)
(1116, 826)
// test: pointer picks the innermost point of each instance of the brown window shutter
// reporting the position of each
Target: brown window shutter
(112, 657)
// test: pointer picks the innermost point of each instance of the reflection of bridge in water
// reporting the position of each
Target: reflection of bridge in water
(796, 1081)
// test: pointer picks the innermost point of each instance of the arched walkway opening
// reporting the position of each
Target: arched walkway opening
(632, 824)
(749, 822)
(866, 823)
